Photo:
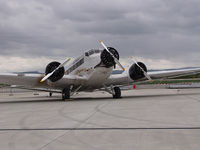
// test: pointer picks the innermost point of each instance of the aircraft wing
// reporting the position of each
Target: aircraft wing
(173, 73)
(123, 79)
(32, 81)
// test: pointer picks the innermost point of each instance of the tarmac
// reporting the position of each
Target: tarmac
(146, 119)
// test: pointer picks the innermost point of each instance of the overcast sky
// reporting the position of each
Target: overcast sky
(161, 33)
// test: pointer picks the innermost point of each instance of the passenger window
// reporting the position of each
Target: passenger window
(76, 65)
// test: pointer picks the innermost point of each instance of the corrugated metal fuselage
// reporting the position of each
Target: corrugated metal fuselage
(90, 69)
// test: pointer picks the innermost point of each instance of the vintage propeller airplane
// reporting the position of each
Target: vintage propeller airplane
(91, 71)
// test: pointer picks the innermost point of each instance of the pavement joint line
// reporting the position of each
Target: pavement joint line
(90, 129)
(72, 129)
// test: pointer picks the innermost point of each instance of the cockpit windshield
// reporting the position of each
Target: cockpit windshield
(92, 51)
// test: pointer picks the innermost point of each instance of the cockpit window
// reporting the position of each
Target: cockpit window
(91, 52)
(86, 54)
(97, 51)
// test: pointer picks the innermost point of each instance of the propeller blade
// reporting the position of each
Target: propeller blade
(145, 74)
(115, 59)
(119, 64)
(47, 76)
(63, 64)
(50, 74)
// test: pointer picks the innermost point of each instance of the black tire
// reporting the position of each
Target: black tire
(117, 92)
(50, 94)
(65, 94)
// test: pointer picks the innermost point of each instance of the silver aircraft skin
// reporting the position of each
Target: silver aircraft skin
(91, 71)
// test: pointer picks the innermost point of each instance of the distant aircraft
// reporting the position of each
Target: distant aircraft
(89, 72)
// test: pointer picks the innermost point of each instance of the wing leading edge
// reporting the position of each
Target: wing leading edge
(124, 79)
(33, 81)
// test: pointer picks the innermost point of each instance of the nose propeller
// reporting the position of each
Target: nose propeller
(115, 59)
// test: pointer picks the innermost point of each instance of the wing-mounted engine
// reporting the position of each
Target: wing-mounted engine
(58, 74)
(107, 59)
(135, 72)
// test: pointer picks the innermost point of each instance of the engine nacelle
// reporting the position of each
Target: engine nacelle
(58, 74)
(107, 59)
(135, 72)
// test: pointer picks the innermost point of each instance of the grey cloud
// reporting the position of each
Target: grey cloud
(165, 29)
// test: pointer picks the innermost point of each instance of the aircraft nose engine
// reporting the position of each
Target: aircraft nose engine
(107, 59)
(58, 74)
(135, 72)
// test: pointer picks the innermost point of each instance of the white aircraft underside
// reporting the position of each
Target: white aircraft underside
(89, 72)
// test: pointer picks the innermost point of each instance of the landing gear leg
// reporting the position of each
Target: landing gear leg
(117, 92)
(65, 94)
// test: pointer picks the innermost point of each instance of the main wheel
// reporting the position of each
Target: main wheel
(65, 94)
(117, 92)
